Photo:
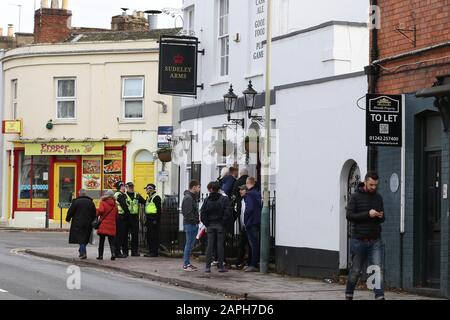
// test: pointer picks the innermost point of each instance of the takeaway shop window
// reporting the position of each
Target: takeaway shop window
(33, 182)
(133, 97)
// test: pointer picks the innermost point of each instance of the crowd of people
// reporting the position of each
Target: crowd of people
(116, 218)
(232, 200)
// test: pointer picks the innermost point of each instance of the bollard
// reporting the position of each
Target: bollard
(47, 213)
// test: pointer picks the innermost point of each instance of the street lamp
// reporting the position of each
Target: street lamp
(230, 100)
(249, 98)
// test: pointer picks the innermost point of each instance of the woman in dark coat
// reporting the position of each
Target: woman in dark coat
(107, 212)
(81, 213)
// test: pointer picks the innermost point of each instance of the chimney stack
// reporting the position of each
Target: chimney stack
(10, 31)
(44, 4)
(52, 25)
(134, 22)
(65, 4)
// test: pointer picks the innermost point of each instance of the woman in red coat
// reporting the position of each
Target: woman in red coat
(107, 212)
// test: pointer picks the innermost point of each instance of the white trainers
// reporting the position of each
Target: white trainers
(189, 267)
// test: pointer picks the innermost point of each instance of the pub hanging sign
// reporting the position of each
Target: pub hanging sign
(384, 120)
(178, 65)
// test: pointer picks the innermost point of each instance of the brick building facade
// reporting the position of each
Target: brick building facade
(411, 52)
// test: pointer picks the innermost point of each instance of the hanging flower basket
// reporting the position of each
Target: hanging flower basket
(251, 144)
(223, 147)
(165, 154)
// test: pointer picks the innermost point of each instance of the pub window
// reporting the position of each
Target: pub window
(33, 180)
(224, 39)
(65, 98)
(190, 20)
(133, 97)
(14, 87)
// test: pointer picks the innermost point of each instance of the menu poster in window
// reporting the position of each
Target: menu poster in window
(112, 169)
(91, 173)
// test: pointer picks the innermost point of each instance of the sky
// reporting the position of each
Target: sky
(85, 13)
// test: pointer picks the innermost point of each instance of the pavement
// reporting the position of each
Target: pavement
(235, 284)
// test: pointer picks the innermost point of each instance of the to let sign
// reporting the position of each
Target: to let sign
(384, 120)
(178, 66)
(164, 136)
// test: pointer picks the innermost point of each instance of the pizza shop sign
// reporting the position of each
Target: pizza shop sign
(50, 148)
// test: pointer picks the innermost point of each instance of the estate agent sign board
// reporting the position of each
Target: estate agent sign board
(384, 120)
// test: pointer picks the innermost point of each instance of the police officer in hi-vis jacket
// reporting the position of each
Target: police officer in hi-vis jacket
(152, 215)
(136, 200)
(123, 204)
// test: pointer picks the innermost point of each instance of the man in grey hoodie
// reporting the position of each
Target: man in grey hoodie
(189, 209)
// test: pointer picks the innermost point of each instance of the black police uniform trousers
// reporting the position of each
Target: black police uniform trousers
(134, 230)
(123, 222)
(152, 224)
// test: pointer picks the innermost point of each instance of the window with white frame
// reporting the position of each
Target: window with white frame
(133, 98)
(65, 98)
(14, 87)
(190, 19)
(224, 39)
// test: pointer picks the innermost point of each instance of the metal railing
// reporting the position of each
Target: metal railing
(172, 240)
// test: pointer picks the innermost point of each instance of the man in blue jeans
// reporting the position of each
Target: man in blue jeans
(252, 221)
(365, 212)
(189, 209)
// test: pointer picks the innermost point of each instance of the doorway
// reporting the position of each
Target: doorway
(64, 186)
(432, 221)
(350, 179)
(143, 170)
(428, 202)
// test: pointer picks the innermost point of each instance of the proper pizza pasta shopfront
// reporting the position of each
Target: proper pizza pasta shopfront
(52, 173)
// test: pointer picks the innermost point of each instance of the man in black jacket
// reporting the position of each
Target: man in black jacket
(189, 209)
(365, 211)
(215, 214)
(81, 212)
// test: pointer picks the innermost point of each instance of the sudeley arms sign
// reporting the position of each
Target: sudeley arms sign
(384, 120)
(178, 66)
(64, 149)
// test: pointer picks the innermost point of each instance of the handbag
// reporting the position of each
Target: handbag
(97, 221)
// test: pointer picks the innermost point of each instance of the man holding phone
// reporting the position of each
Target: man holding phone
(365, 212)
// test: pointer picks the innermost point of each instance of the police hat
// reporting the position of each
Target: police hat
(150, 186)
(119, 184)
(130, 184)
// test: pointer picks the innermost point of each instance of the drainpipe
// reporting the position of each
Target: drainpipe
(373, 73)
(2, 155)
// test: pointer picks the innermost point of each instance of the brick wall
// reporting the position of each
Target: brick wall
(52, 25)
(432, 20)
